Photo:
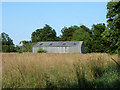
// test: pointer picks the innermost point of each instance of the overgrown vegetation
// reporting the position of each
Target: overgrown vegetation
(40, 50)
(60, 71)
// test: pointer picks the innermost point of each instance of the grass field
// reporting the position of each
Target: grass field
(47, 70)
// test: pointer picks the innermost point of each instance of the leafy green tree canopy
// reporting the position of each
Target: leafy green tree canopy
(6, 40)
(97, 42)
(7, 43)
(83, 34)
(67, 33)
(112, 33)
(44, 34)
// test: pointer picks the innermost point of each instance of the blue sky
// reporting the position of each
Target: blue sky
(20, 19)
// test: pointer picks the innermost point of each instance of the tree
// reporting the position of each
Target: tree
(67, 33)
(112, 33)
(17, 48)
(6, 40)
(97, 41)
(7, 43)
(25, 47)
(44, 34)
(86, 29)
(24, 42)
(83, 34)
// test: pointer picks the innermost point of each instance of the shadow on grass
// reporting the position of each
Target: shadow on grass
(109, 79)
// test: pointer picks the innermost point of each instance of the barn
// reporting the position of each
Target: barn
(60, 47)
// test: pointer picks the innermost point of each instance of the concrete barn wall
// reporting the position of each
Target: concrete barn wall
(59, 49)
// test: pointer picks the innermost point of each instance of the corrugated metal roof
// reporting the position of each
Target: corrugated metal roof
(58, 43)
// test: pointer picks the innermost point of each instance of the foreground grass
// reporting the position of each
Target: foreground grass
(60, 71)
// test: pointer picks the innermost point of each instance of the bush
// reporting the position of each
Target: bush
(20, 52)
(40, 50)
(8, 48)
(26, 47)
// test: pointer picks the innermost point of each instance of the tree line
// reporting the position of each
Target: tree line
(100, 38)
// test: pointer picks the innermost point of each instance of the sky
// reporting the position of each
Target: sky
(20, 19)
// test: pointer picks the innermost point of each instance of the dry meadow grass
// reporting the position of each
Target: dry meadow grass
(45, 70)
